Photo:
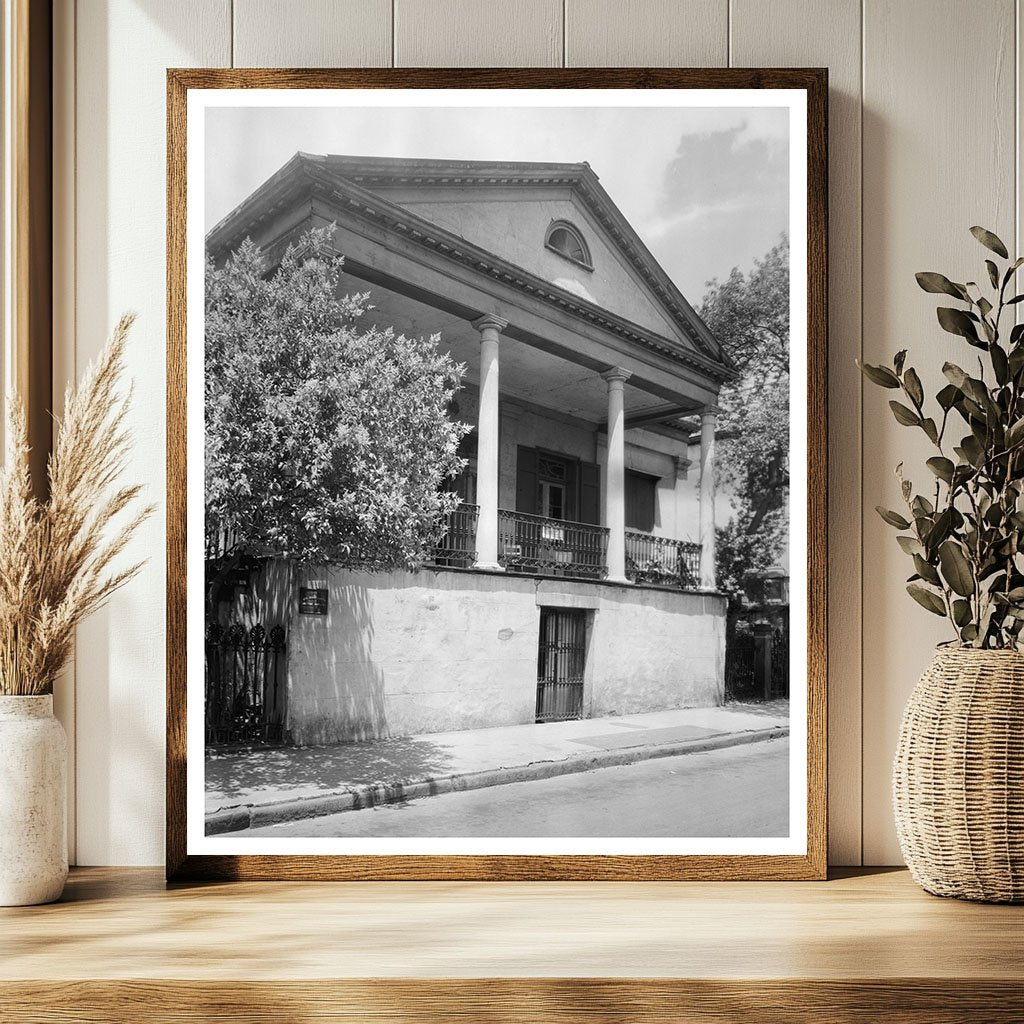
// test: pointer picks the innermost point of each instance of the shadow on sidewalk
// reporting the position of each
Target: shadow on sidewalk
(238, 773)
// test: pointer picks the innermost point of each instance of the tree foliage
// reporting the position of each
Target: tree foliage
(965, 530)
(749, 314)
(326, 443)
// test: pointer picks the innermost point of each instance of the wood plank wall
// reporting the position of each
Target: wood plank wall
(925, 141)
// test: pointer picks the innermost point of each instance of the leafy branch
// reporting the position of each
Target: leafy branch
(967, 541)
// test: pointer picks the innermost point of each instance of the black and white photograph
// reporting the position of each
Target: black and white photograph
(501, 492)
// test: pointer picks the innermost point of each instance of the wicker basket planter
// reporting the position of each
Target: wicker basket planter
(958, 776)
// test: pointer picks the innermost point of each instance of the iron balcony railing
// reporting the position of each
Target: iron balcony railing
(551, 547)
(457, 546)
(557, 547)
(662, 560)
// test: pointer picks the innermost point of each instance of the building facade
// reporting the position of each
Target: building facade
(577, 576)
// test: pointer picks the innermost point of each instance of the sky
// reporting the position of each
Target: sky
(707, 189)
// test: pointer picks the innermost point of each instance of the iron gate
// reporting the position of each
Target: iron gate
(561, 658)
(757, 665)
(740, 682)
(244, 673)
(780, 663)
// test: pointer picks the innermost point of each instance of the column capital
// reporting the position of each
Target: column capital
(616, 374)
(710, 413)
(490, 321)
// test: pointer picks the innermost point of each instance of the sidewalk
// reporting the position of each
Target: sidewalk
(246, 788)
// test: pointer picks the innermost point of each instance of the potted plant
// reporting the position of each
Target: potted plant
(56, 566)
(958, 778)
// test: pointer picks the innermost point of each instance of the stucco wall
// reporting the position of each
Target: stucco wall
(656, 649)
(675, 516)
(432, 651)
(411, 652)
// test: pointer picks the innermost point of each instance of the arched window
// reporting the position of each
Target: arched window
(564, 239)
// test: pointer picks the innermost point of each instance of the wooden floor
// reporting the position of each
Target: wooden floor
(869, 946)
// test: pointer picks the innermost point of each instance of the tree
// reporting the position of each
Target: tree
(749, 314)
(325, 443)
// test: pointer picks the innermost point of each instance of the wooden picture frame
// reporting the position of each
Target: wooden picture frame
(181, 863)
(29, 263)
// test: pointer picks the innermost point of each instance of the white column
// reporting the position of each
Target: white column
(490, 328)
(708, 420)
(615, 491)
(679, 524)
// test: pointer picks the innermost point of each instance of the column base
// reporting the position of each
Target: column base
(616, 579)
(489, 566)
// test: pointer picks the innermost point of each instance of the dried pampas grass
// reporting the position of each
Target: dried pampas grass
(56, 556)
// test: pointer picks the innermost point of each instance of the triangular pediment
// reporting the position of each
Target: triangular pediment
(508, 210)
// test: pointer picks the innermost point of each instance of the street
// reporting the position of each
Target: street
(735, 791)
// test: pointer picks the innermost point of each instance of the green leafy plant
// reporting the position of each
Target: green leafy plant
(965, 533)
(327, 442)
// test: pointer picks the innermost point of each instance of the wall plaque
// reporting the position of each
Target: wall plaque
(312, 601)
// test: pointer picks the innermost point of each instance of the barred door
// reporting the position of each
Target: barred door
(561, 658)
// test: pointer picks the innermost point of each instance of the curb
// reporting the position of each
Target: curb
(244, 816)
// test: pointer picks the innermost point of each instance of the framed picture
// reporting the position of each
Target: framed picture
(496, 474)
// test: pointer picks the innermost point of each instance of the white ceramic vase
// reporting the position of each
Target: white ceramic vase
(33, 802)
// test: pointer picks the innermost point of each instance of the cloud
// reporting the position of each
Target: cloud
(693, 214)
(724, 200)
(723, 171)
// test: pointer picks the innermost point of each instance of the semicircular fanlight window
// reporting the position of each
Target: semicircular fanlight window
(567, 241)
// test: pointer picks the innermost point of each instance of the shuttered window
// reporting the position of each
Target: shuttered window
(590, 493)
(641, 491)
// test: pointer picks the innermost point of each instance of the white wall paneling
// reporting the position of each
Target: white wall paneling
(646, 33)
(312, 33)
(475, 34)
(924, 143)
(122, 52)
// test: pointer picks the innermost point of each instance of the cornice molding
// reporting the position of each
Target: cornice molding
(302, 179)
(369, 173)
(370, 206)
